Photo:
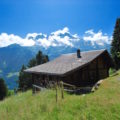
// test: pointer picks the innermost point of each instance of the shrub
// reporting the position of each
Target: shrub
(3, 89)
(10, 93)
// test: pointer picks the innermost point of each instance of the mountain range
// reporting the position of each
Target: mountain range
(14, 55)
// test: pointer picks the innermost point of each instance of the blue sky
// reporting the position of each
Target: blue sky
(27, 16)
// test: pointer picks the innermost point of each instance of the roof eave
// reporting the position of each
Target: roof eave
(43, 73)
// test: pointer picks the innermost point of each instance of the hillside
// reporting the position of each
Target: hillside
(103, 104)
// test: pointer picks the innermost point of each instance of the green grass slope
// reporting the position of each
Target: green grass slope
(103, 104)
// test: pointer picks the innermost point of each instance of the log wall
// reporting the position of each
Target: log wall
(86, 76)
(89, 74)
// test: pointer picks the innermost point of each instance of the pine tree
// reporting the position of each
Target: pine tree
(32, 63)
(45, 59)
(39, 57)
(21, 77)
(115, 45)
(25, 79)
(3, 89)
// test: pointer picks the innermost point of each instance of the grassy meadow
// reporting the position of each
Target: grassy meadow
(103, 104)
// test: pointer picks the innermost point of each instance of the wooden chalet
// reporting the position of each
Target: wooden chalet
(80, 69)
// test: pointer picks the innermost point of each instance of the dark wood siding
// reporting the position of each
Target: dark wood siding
(85, 76)
(89, 74)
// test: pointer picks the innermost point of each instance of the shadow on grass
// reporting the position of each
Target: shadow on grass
(80, 92)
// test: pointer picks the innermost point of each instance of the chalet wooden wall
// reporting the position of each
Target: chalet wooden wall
(89, 74)
(86, 76)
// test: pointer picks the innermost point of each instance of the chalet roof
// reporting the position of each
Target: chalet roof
(66, 63)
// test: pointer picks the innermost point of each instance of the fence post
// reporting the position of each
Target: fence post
(33, 90)
(62, 90)
(56, 93)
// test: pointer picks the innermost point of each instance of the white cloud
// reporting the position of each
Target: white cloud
(31, 35)
(34, 35)
(63, 36)
(98, 37)
(57, 38)
(63, 31)
(43, 42)
(90, 32)
(6, 40)
(60, 41)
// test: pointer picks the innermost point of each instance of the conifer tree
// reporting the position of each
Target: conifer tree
(115, 45)
(45, 59)
(3, 89)
(25, 80)
(39, 57)
(32, 63)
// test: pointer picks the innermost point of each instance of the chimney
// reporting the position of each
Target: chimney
(78, 53)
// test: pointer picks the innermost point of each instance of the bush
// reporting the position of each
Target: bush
(10, 93)
(3, 89)
(112, 72)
